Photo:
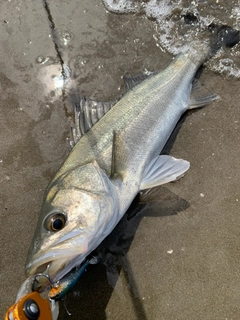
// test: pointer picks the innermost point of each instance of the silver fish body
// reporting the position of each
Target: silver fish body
(105, 170)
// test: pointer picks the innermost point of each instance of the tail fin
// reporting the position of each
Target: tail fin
(222, 36)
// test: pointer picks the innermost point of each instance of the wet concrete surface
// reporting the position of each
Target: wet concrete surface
(177, 258)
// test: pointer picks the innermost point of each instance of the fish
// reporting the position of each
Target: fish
(116, 152)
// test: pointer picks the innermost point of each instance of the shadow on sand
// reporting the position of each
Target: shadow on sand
(89, 298)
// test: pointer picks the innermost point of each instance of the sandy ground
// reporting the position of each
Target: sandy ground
(181, 255)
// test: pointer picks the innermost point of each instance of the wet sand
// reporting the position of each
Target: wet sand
(181, 255)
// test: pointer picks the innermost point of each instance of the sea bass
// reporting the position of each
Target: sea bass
(115, 158)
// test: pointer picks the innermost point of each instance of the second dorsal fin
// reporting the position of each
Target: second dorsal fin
(130, 82)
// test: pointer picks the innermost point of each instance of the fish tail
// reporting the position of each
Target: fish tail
(222, 36)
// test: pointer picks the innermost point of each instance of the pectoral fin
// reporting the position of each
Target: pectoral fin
(120, 155)
(163, 169)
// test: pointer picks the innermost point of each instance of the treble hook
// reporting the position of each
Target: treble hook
(46, 275)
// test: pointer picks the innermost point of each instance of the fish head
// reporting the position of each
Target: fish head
(78, 209)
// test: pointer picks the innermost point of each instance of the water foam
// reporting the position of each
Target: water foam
(180, 22)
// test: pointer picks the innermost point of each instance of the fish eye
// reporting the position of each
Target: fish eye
(56, 222)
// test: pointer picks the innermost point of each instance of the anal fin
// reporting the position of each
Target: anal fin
(200, 96)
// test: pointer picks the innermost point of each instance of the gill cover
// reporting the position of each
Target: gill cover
(89, 177)
(87, 199)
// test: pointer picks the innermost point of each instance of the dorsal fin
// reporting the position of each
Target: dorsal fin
(130, 82)
(86, 113)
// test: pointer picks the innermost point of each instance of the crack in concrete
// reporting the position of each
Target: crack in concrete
(57, 47)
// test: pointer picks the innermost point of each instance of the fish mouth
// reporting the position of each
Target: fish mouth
(51, 264)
